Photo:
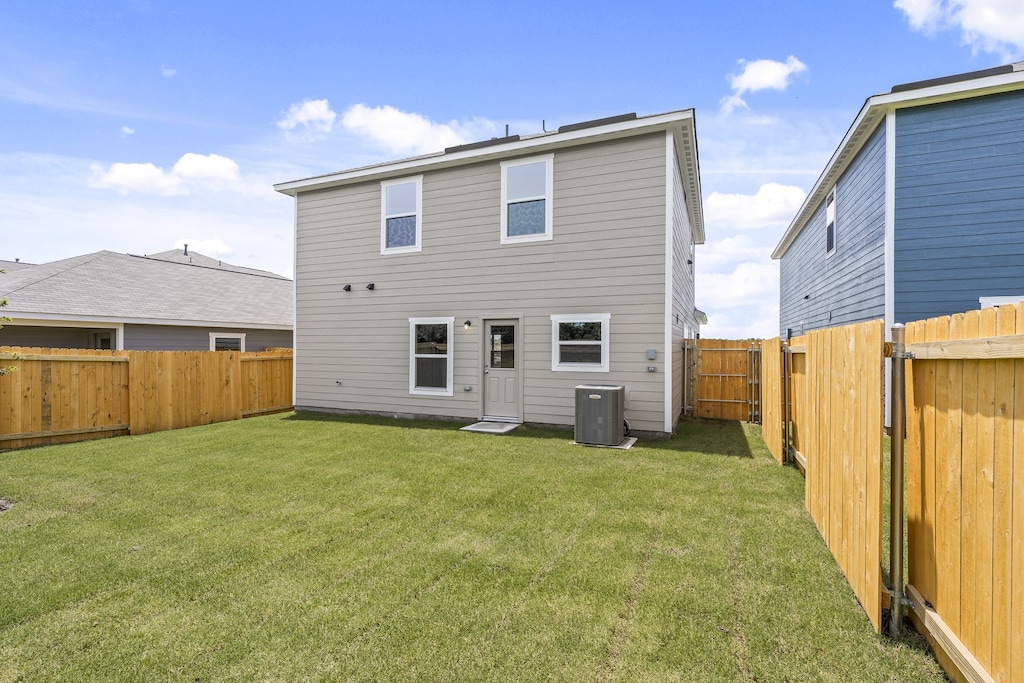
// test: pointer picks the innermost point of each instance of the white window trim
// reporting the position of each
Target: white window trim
(240, 336)
(603, 318)
(549, 181)
(384, 215)
(835, 233)
(427, 391)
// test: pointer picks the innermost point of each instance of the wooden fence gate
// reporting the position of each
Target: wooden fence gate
(729, 379)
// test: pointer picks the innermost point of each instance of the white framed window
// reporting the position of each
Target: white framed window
(526, 204)
(227, 341)
(579, 342)
(431, 342)
(401, 215)
(830, 223)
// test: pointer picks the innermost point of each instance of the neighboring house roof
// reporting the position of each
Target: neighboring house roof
(681, 123)
(109, 287)
(14, 265)
(962, 86)
(197, 259)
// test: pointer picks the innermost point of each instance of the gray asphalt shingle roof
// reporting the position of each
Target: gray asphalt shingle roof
(156, 288)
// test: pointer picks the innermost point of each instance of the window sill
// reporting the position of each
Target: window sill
(431, 392)
(580, 367)
(539, 237)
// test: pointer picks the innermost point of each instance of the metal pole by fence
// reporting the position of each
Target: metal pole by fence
(897, 435)
(786, 455)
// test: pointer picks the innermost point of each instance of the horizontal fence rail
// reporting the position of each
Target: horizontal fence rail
(63, 395)
(965, 487)
(964, 469)
(728, 379)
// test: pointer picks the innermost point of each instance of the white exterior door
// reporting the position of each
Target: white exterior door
(502, 368)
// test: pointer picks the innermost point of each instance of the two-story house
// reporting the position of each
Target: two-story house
(919, 213)
(490, 279)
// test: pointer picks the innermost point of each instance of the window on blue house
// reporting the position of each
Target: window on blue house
(830, 223)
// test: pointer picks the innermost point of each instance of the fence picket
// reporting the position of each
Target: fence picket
(62, 395)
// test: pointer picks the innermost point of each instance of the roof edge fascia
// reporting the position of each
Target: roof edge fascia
(21, 318)
(540, 143)
(871, 114)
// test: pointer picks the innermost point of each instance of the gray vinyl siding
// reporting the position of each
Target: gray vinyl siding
(46, 337)
(607, 256)
(819, 290)
(169, 338)
(683, 295)
(140, 337)
(959, 205)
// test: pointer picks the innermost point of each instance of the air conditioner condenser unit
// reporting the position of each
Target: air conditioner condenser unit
(600, 413)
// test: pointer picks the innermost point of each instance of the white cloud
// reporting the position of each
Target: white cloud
(760, 74)
(407, 133)
(205, 167)
(126, 131)
(167, 71)
(772, 206)
(209, 247)
(309, 119)
(127, 178)
(727, 253)
(746, 299)
(995, 26)
(191, 173)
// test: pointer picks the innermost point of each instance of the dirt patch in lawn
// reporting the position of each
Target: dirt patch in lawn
(5, 504)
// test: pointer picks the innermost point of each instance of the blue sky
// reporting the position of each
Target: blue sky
(138, 126)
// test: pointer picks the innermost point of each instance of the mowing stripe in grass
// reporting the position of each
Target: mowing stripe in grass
(293, 548)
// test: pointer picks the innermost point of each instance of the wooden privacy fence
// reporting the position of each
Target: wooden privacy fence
(965, 487)
(729, 379)
(835, 433)
(964, 471)
(63, 395)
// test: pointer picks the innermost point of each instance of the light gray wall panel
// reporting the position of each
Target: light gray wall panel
(607, 256)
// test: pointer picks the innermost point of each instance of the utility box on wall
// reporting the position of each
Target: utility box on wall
(600, 414)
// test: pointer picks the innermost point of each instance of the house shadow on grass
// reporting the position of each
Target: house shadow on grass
(709, 437)
(380, 420)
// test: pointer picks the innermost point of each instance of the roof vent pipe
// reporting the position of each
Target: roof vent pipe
(186, 250)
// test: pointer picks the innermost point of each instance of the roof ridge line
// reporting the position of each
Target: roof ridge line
(95, 255)
(259, 273)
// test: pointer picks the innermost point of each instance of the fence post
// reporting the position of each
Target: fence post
(897, 416)
(786, 455)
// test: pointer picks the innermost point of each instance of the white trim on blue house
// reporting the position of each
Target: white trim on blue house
(890, 222)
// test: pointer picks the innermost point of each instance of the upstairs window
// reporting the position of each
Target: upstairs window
(401, 211)
(830, 223)
(580, 342)
(430, 358)
(526, 199)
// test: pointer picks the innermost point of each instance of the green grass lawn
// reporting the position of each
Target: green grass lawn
(307, 548)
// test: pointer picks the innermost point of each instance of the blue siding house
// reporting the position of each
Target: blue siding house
(919, 213)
